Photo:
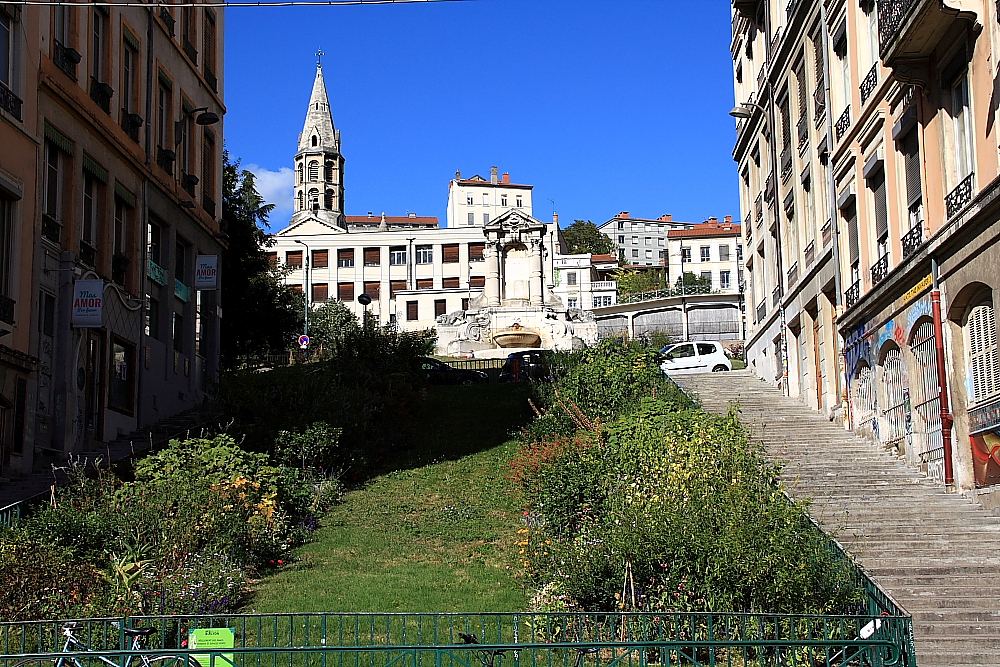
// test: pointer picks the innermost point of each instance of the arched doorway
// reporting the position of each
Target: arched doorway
(895, 399)
(926, 400)
(865, 401)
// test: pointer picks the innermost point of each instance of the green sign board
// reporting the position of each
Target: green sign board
(213, 639)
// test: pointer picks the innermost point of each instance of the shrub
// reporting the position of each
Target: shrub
(316, 446)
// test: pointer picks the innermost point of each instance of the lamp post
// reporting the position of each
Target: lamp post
(305, 291)
(365, 300)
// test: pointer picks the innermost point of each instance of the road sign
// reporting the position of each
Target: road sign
(304, 340)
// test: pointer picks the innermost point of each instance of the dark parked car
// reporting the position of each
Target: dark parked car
(439, 372)
(525, 367)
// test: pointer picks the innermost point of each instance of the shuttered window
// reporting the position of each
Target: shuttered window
(373, 256)
(293, 258)
(345, 258)
(320, 292)
(373, 289)
(345, 291)
(983, 362)
(450, 253)
(476, 252)
(817, 40)
(877, 185)
(800, 83)
(396, 286)
(851, 215)
(450, 283)
(425, 283)
(411, 311)
(911, 166)
(477, 281)
(440, 307)
(321, 259)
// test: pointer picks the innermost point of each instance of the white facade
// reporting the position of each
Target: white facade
(714, 253)
(641, 241)
(577, 284)
(474, 202)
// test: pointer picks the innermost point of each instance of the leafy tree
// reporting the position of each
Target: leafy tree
(632, 281)
(261, 314)
(693, 282)
(583, 237)
(330, 322)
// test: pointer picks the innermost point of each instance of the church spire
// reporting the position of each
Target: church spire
(318, 129)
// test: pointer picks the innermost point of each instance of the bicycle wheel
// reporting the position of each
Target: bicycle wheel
(168, 661)
(39, 662)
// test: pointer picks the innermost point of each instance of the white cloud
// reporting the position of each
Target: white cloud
(278, 188)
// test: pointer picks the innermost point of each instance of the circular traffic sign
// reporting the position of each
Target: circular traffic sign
(304, 340)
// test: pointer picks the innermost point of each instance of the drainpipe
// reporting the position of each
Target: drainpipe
(841, 383)
(946, 418)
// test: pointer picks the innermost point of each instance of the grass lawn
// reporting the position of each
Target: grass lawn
(433, 533)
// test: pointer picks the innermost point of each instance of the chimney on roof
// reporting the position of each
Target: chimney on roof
(712, 222)
(493, 175)
(555, 219)
(411, 215)
(458, 174)
(505, 178)
(727, 222)
(666, 217)
(369, 214)
(623, 214)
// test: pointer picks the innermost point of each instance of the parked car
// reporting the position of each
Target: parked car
(685, 358)
(438, 372)
(525, 366)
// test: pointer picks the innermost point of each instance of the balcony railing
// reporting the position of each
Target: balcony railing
(786, 163)
(912, 240)
(7, 309)
(827, 233)
(10, 102)
(101, 93)
(188, 182)
(168, 20)
(182, 291)
(891, 14)
(985, 417)
(769, 188)
(853, 294)
(793, 274)
(165, 158)
(776, 294)
(758, 209)
(65, 58)
(51, 228)
(810, 254)
(868, 85)
(131, 122)
(819, 104)
(88, 254)
(213, 81)
(803, 128)
(843, 123)
(191, 52)
(959, 197)
(761, 310)
(208, 204)
(156, 273)
(604, 284)
(880, 269)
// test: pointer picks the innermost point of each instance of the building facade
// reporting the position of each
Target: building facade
(869, 219)
(125, 140)
(474, 202)
(641, 242)
(713, 251)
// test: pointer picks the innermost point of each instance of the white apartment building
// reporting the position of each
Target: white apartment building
(473, 202)
(579, 285)
(641, 241)
(711, 250)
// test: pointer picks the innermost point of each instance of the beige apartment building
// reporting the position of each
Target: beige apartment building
(114, 175)
(867, 152)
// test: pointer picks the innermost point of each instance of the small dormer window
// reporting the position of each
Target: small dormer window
(315, 141)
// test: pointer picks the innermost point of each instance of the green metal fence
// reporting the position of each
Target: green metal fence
(505, 640)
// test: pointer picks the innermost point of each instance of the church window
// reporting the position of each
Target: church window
(314, 171)
(300, 172)
(301, 200)
(328, 200)
(315, 141)
(328, 176)
(314, 200)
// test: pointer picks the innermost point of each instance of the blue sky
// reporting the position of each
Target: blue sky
(602, 105)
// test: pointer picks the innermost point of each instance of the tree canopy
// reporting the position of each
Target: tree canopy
(260, 310)
(583, 237)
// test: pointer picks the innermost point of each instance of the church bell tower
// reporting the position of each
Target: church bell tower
(319, 165)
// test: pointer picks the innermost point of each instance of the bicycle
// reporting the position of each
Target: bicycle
(73, 644)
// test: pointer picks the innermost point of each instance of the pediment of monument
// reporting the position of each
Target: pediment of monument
(311, 226)
(515, 220)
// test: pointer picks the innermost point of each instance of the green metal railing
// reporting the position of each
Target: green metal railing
(525, 640)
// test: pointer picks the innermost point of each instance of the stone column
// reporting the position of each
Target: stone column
(535, 286)
(492, 290)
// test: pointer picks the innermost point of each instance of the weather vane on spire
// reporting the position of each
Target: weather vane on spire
(319, 57)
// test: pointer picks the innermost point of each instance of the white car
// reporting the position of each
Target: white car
(686, 358)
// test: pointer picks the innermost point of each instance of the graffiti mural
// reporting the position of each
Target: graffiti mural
(857, 347)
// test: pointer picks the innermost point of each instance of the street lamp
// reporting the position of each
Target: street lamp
(365, 301)
(305, 291)
(745, 110)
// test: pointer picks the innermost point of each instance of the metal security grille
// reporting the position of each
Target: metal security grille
(897, 400)
(866, 402)
(983, 361)
(926, 401)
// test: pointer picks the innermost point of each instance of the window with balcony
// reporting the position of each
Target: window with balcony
(961, 130)
(209, 48)
(6, 49)
(91, 205)
(909, 146)
(53, 181)
(128, 86)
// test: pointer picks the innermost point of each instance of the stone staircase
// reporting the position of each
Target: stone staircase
(938, 554)
(141, 440)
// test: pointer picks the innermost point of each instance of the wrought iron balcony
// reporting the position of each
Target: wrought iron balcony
(165, 158)
(793, 274)
(853, 294)
(7, 309)
(819, 104)
(168, 20)
(912, 240)
(769, 188)
(776, 294)
(758, 209)
(10, 102)
(51, 228)
(131, 122)
(208, 204)
(958, 198)
(761, 310)
(191, 52)
(827, 233)
(101, 93)
(843, 123)
(786, 163)
(65, 58)
(868, 85)
(803, 128)
(891, 14)
(88, 254)
(810, 254)
(880, 269)
(188, 181)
